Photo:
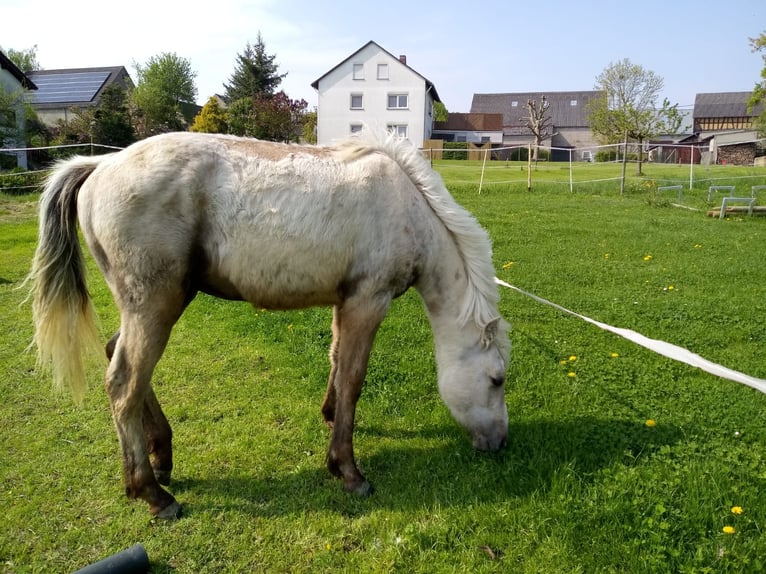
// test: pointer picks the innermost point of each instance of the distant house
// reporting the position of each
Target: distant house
(723, 119)
(61, 91)
(473, 128)
(374, 87)
(13, 80)
(569, 118)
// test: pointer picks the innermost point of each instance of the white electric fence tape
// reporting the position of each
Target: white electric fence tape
(667, 349)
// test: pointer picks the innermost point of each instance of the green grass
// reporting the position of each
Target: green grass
(584, 485)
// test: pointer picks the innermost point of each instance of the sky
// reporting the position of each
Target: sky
(463, 47)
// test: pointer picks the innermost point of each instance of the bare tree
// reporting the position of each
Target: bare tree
(538, 121)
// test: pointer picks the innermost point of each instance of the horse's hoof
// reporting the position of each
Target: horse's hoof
(162, 476)
(363, 490)
(171, 512)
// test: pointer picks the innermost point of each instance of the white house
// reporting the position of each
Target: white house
(13, 82)
(375, 88)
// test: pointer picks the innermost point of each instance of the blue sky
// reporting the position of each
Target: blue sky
(463, 47)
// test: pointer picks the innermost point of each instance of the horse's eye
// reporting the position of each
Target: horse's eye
(498, 381)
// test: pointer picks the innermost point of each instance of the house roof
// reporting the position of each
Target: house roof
(562, 110)
(429, 84)
(471, 122)
(74, 86)
(724, 105)
(7, 64)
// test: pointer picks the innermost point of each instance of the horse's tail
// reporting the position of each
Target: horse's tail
(64, 319)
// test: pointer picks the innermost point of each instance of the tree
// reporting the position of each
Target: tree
(164, 82)
(275, 118)
(538, 121)
(759, 91)
(212, 119)
(440, 112)
(111, 119)
(627, 109)
(255, 73)
(25, 60)
(309, 130)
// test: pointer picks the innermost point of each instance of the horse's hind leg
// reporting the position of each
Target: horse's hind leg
(141, 341)
(157, 430)
(159, 437)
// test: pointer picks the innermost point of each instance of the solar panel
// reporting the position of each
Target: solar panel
(67, 87)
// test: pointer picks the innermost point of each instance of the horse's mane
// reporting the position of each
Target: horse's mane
(472, 241)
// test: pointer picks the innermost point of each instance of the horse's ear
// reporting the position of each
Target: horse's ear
(489, 332)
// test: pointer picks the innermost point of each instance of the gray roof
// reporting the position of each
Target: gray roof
(75, 86)
(567, 109)
(724, 105)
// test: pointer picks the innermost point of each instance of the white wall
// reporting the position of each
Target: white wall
(335, 115)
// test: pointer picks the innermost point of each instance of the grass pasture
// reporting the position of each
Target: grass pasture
(619, 460)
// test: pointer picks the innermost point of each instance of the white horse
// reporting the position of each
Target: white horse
(281, 226)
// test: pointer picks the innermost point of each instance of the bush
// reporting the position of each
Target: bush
(19, 181)
(455, 154)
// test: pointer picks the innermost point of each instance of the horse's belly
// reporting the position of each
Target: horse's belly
(278, 278)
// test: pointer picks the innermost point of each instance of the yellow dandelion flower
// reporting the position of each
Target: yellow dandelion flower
(614, 355)
(328, 546)
(573, 357)
(563, 361)
(650, 423)
(729, 530)
(508, 265)
(606, 256)
(647, 257)
(670, 287)
(571, 374)
(697, 245)
(736, 510)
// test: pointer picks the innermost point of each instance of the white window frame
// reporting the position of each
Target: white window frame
(383, 71)
(401, 130)
(361, 101)
(398, 103)
(358, 73)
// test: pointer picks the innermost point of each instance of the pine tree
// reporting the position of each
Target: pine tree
(255, 74)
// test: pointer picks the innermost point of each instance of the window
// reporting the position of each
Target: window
(359, 71)
(398, 129)
(356, 128)
(382, 71)
(356, 101)
(572, 103)
(514, 104)
(398, 101)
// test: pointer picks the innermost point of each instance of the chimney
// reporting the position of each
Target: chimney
(403, 59)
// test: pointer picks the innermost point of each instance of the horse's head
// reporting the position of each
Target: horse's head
(472, 384)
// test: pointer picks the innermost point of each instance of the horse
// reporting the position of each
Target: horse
(282, 226)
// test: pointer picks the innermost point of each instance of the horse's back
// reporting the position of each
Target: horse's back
(278, 225)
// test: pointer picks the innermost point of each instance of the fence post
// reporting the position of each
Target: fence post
(483, 167)
(571, 184)
(529, 167)
(691, 167)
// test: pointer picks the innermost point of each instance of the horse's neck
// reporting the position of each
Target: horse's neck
(443, 290)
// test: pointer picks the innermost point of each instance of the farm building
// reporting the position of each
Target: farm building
(13, 80)
(374, 87)
(569, 128)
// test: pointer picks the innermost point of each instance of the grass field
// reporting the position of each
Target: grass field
(619, 460)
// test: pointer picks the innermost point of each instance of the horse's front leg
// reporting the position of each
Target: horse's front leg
(328, 404)
(357, 323)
